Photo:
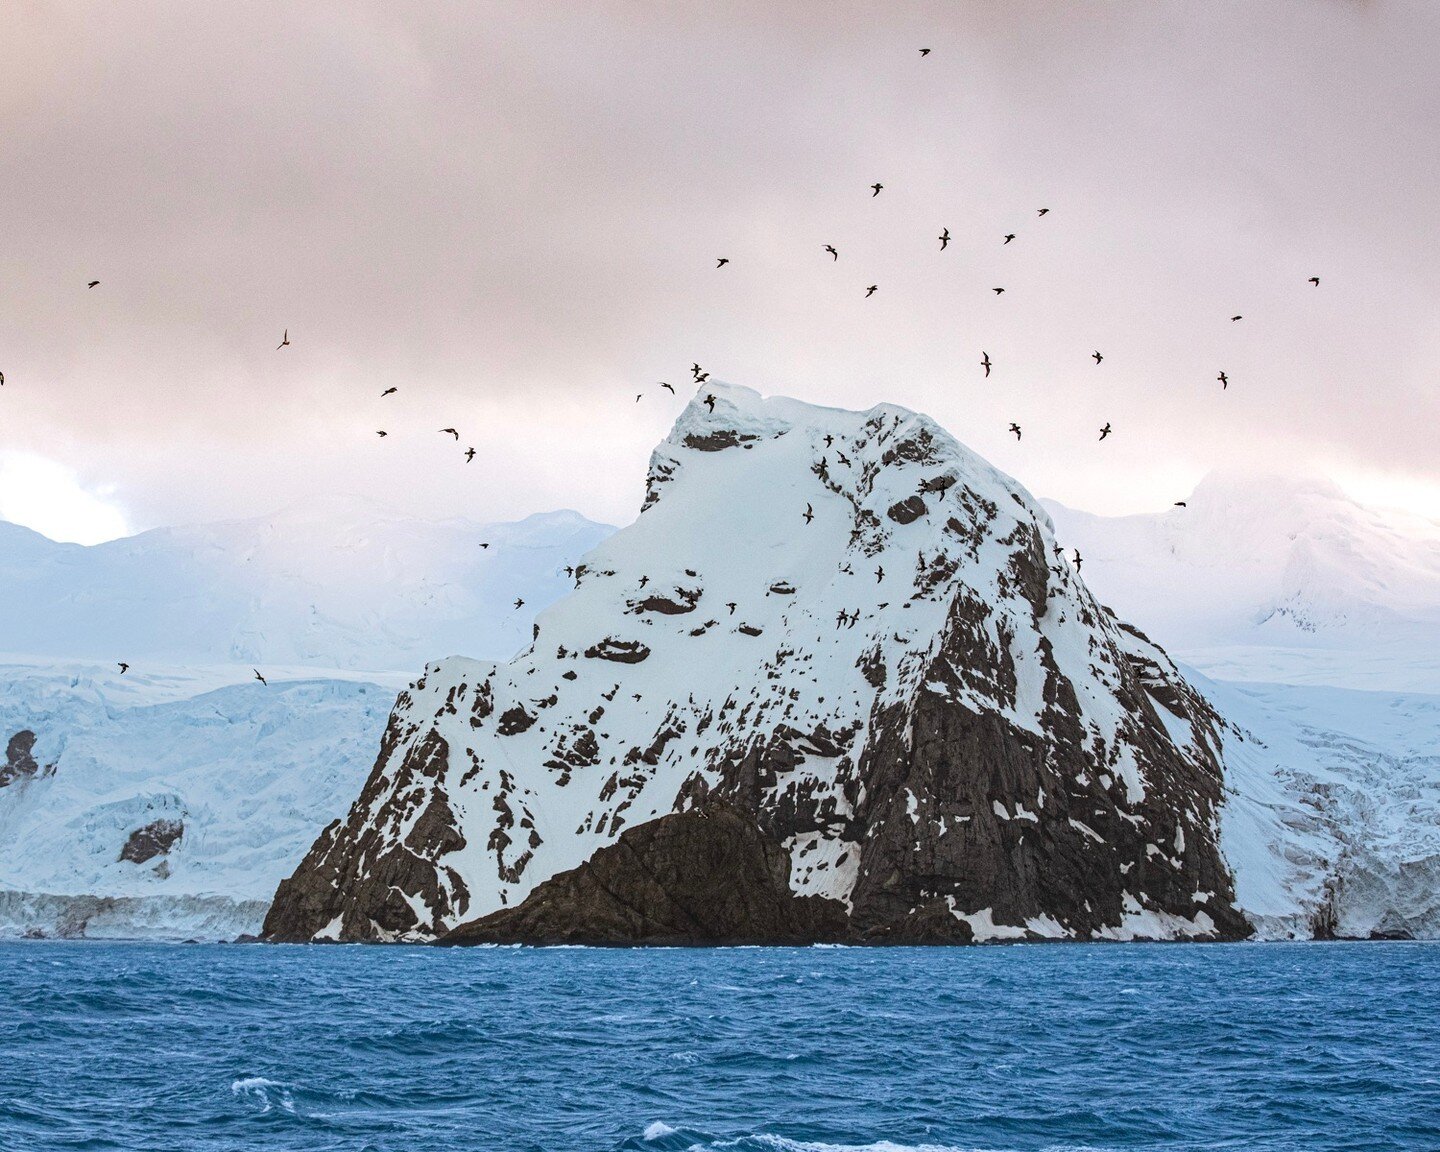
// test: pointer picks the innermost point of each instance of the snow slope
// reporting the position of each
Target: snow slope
(1274, 578)
(252, 773)
(331, 584)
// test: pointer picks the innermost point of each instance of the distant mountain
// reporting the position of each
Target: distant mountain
(339, 584)
(1266, 561)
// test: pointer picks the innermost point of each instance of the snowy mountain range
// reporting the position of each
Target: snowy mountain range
(1305, 624)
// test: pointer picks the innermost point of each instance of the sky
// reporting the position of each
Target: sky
(512, 214)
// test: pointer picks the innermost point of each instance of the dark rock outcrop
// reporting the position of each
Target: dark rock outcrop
(704, 876)
(151, 840)
(20, 762)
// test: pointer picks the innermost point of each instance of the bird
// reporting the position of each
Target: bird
(700, 379)
(876, 191)
(721, 261)
(871, 290)
(1016, 429)
(387, 392)
(834, 254)
(1097, 357)
(382, 435)
(1234, 318)
(92, 284)
(1043, 211)
(1181, 504)
(731, 606)
(998, 291)
(2, 379)
(485, 544)
(450, 432)
(124, 667)
(1315, 280)
(924, 51)
(710, 401)
(637, 396)
(695, 369)
(985, 362)
(879, 574)
(944, 238)
(1009, 236)
(644, 580)
(469, 455)
(668, 387)
(1077, 561)
(284, 341)
(829, 440)
(259, 677)
(809, 513)
(1105, 431)
(1224, 381)
(519, 603)
(845, 460)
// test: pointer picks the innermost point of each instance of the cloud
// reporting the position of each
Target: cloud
(49, 498)
(512, 213)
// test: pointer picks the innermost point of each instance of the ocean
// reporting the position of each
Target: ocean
(1307, 1047)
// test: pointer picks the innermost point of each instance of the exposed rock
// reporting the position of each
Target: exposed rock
(907, 511)
(20, 762)
(704, 876)
(620, 651)
(154, 839)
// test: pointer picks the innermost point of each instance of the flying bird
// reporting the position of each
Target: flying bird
(700, 379)
(450, 432)
(1077, 561)
(831, 249)
(1043, 211)
(1016, 429)
(1315, 280)
(985, 363)
(876, 191)
(731, 606)
(124, 667)
(1009, 236)
(829, 440)
(879, 574)
(1234, 318)
(809, 513)
(924, 51)
(1224, 381)
(998, 291)
(710, 401)
(944, 238)
(2, 379)
(871, 290)
(519, 603)
(1096, 356)
(382, 435)
(721, 261)
(1180, 504)
(92, 284)
(668, 387)
(485, 544)
(695, 369)
(469, 455)
(845, 460)
(284, 341)
(1105, 431)
(259, 677)
(637, 396)
(387, 392)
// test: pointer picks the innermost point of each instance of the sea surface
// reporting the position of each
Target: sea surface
(138, 1047)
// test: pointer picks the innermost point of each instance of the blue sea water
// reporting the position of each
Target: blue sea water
(1314, 1047)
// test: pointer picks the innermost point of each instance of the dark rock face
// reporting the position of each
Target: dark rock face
(20, 762)
(907, 511)
(357, 883)
(704, 876)
(154, 839)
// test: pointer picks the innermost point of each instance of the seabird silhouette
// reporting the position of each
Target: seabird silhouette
(944, 239)
(721, 261)
(985, 362)
(1105, 431)
(834, 254)
(871, 290)
(259, 677)
(387, 392)
(284, 341)
(1224, 381)
(1016, 429)
(124, 667)
(451, 432)
(809, 513)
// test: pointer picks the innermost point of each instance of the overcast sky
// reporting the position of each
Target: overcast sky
(512, 213)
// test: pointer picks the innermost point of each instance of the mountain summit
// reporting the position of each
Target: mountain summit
(848, 626)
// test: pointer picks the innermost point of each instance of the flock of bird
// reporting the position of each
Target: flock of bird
(701, 376)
